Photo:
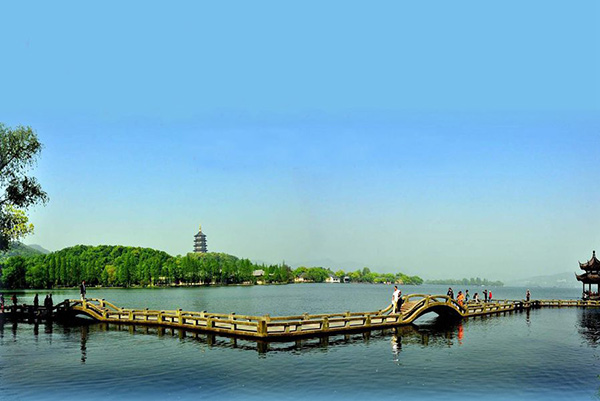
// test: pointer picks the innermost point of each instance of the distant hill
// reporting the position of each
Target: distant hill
(19, 249)
(39, 248)
(561, 280)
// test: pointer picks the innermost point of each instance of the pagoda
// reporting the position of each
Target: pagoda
(200, 242)
(591, 276)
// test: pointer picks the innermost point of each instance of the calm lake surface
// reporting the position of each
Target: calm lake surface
(545, 354)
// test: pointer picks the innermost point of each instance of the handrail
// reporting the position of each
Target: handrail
(414, 306)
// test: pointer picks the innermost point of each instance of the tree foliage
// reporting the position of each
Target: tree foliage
(19, 149)
(121, 266)
(365, 275)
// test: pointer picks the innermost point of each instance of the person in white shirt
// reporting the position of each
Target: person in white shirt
(395, 298)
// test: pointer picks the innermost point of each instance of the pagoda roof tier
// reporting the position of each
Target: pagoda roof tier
(588, 278)
(591, 265)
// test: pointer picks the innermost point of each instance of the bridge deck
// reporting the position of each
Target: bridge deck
(289, 327)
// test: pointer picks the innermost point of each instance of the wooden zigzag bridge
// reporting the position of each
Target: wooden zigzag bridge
(282, 328)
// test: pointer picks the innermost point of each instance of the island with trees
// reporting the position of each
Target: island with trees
(121, 266)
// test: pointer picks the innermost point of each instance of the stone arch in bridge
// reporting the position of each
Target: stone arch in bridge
(441, 305)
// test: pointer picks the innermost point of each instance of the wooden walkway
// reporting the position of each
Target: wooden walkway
(291, 327)
(281, 327)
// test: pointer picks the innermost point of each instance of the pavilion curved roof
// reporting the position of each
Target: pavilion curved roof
(592, 264)
(588, 278)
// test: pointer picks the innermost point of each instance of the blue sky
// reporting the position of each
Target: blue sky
(444, 139)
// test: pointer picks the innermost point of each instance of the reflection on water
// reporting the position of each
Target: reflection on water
(396, 346)
(84, 337)
(589, 326)
(435, 333)
(533, 358)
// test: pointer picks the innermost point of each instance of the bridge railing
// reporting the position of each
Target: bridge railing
(423, 302)
(566, 302)
(305, 324)
(261, 325)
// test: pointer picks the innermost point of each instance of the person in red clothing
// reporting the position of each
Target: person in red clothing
(460, 298)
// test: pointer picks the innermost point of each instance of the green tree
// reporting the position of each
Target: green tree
(355, 276)
(19, 149)
(109, 275)
(13, 273)
(317, 274)
(300, 271)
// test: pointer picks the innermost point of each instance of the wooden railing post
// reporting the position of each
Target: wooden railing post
(179, 317)
(325, 324)
(102, 303)
(347, 320)
(262, 326)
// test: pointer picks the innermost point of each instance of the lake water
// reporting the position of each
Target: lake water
(544, 354)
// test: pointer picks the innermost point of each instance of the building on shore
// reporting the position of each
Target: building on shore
(200, 242)
(591, 276)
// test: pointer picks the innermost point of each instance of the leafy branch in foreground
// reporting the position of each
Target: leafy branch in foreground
(19, 149)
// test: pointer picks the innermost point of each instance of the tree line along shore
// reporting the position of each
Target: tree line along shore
(121, 266)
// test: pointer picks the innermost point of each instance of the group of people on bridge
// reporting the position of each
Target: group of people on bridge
(461, 298)
(48, 303)
(464, 298)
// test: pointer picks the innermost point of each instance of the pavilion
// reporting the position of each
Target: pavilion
(591, 276)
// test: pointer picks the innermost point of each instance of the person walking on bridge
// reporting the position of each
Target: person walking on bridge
(460, 298)
(450, 293)
(467, 296)
(395, 299)
(82, 290)
(14, 301)
(485, 295)
(527, 295)
(48, 304)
